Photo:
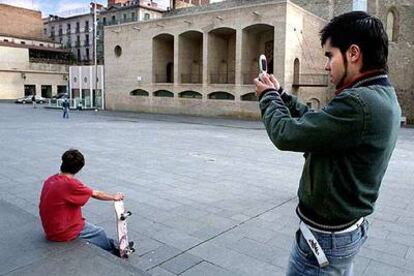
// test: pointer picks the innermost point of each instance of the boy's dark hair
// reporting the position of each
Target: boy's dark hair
(363, 30)
(72, 161)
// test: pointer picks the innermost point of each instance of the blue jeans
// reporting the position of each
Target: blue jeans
(97, 236)
(340, 249)
(66, 112)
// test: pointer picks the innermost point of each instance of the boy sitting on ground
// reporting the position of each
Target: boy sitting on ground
(60, 205)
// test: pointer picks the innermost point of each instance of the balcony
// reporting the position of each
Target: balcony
(224, 78)
(191, 78)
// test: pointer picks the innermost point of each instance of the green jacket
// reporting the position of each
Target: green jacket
(347, 147)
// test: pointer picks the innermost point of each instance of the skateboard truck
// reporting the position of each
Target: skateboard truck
(124, 216)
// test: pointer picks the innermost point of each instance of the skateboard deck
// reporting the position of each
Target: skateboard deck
(121, 216)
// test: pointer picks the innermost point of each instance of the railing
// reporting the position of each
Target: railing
(162, 78)
(191, 78)
(223, 78)
(42, 64)
(311, 80)
(248, 77)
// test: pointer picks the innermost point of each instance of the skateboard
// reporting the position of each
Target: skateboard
(125, 247)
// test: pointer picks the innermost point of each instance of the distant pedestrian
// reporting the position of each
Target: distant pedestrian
(34, 101)
(65, 107)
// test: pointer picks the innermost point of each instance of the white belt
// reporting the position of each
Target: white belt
(351, 228)
(314, 245)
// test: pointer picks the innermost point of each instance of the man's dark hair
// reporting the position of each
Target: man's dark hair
(72, 161)
(363, 30)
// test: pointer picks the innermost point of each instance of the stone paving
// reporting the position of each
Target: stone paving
(209, 196)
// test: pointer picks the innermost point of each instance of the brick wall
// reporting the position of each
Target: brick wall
(15, 21)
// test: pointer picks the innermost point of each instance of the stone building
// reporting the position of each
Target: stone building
(203, 62)
(398, 19)
(29, 63)
(120, 12)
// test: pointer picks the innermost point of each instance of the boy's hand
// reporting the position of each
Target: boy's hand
(118, 196)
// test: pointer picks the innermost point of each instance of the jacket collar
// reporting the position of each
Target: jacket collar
(368, 78)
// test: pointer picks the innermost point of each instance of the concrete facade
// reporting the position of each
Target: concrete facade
(204, 62)
(16, 72)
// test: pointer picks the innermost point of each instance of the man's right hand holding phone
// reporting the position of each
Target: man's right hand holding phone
(266, 82)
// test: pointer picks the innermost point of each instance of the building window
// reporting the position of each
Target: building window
(87, 40)
(190, 94)
(118, 51)
(104, 20)
(147, 16)
(125, 16)
(392, 24)
(249, 97)
(45, 31)
(87, 53)
(133, 15)
(220, 95)
(139, 92)
(163, 93)
(22, 42)
(113, 19)
(79, 55)
(87, 26)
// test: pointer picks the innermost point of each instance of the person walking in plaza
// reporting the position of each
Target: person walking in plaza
(34, 100)
(65, 107)
(60, 205)
(347, 145)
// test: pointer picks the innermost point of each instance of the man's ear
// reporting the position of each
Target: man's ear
(354, 53)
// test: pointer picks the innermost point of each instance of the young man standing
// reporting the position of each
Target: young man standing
(347, 144)
(60, 205)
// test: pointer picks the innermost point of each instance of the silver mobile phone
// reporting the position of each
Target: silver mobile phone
(262, 65)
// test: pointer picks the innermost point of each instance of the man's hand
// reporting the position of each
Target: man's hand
(266, 82)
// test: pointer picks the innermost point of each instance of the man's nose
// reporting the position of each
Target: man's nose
(327, 67)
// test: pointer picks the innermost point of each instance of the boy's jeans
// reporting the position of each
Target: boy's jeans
(97, 236)
(340, 249)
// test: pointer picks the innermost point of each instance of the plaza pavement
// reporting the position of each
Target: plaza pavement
(209, 196)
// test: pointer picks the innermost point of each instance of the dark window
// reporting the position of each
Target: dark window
(190, 94)
(87, 53)
(220, 96)
(118, 50)
(139, 92)
(163, 93)
(250, 97)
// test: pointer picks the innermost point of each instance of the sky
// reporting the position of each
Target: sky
(64, 7)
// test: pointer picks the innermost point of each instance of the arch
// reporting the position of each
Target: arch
(139, 92)
(190, 57)
(163, 93)
(249, 97)
(221, 95)
(392, 25)
(296, 71)
(257, 39)
(190, 94)
(313, 103)
(163, 58)
(222, 55)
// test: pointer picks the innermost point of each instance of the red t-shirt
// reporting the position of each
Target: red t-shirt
(60, 207)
